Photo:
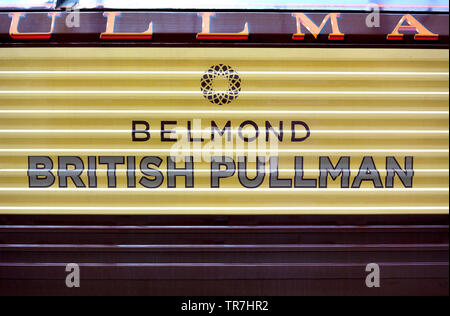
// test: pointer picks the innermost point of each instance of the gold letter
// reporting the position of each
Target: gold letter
(206, 28)
(315, 30)
(422, 33)
(110, 24)
(14, 28)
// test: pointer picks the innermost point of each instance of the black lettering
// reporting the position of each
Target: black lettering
(39, 172)
(293, 130)
(248, 139)
(215, 128)
(141, 131)
(164, 131)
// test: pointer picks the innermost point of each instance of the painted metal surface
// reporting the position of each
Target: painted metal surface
(221, 29)
(354, 5)
(364, 104)
(224, 255)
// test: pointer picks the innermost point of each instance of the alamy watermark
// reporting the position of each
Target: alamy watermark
(73, 278)
(373, 279)
(373, 20)
(73, 18)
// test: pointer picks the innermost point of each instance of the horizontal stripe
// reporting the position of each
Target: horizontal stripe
(218, 112)
(281, 208)
(162, 150)
(273, 190)
(227, 211)
(277, 92)
(283, 73)
(230, 228)
(247, 247)
(231, 5)
(252, 170)
(233, 131)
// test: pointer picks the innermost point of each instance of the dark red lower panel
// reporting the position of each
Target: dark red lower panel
(224, 255)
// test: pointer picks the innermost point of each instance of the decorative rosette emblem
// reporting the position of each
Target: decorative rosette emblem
(220, 84)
